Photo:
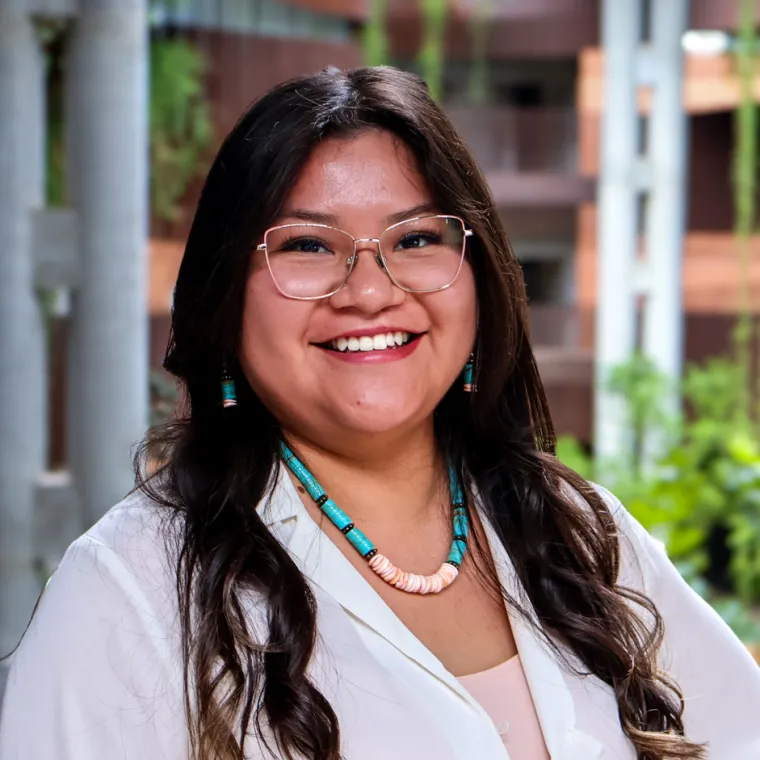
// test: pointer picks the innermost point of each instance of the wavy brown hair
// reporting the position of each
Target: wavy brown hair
(217, 464)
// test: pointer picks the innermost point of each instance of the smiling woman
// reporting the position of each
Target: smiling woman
(360, 543)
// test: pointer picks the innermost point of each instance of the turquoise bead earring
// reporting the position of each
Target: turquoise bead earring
(229, 394)
(468, 375)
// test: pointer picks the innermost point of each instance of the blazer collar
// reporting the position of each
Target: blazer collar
(326, 567)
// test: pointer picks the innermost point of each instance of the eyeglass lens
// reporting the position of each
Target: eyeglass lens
(309, 261)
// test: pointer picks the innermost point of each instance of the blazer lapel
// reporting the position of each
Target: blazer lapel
(552, 698)
(326, 566)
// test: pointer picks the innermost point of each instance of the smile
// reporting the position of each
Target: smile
(380, 342)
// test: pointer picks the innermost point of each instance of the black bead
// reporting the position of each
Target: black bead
(322, 499)
(452, 563)
(463, 539)
(345, 531)
(371, 553)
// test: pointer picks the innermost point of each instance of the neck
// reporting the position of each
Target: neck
(401, 481)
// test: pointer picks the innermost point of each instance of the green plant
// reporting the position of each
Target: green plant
(704, 488)
(180, 123)
(163, 397)
(375, 37)
(432, 53)
(745, 157)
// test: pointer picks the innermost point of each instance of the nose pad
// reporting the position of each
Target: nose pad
(351, 261)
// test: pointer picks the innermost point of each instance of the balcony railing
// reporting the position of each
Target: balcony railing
(530, 140)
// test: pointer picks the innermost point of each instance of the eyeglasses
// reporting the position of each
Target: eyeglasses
(312, 261)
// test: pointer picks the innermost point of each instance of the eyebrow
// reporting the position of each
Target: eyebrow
(319, 217)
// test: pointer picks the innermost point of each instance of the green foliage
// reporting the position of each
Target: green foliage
(163, 397)
(432, 53)
(375, 37)
(745, 179)
(180, 123)
(705, 482)
(572, 454)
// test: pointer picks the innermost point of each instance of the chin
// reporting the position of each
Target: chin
(378, 416)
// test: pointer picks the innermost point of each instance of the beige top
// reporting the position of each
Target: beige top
(504, 694)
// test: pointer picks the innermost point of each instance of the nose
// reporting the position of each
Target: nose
(368, 288)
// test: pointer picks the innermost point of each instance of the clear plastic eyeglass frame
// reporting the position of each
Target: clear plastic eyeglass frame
(379, 257)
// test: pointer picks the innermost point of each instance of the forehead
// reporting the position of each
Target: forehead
(373, 172)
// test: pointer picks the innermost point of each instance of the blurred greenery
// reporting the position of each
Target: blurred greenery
(698, 488)
(180, 123)
(164, 397)
(432, 53)
(375, 36)
(700, 494)
(745, 178)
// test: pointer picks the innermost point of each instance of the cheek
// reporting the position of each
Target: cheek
(272, 328)
(460, 311)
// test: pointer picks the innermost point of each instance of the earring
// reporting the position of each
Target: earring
(468, 375)
(229, 394)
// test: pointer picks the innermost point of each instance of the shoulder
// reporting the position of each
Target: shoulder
(131, 551)
(100, 664)
(139, 533)
(641, 555)
(116, 580)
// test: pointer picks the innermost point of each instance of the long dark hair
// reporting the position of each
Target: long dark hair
(214, 465)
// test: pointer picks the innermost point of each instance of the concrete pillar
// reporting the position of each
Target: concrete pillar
(617, 225)
(23, 393)
(666, 217)
(107, 137)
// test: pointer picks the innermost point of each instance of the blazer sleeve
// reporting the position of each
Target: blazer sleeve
(719, 679)
(96, 674)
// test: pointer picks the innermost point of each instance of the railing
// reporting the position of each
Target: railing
(520, 139)
(557, 325)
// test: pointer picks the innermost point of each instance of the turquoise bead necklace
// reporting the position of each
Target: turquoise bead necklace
(380, 564)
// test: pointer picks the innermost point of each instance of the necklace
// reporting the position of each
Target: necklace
(380, 564)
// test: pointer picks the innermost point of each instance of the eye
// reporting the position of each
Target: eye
(304, 245)
(418, 239)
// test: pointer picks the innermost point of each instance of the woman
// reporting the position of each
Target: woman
(349, 320)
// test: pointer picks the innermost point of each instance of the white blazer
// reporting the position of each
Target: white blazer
(98, 675)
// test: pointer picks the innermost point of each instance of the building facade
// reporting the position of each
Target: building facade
(534, 127)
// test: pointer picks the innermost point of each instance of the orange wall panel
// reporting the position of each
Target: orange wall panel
(712, 272)
(164, 257)
(710, 84)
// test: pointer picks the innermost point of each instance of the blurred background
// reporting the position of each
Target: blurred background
(619, 139)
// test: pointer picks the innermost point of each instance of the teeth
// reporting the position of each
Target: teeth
(379, 342)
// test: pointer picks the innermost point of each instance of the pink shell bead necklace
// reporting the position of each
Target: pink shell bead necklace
(380, 564)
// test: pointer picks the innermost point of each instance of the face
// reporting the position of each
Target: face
(288, 347)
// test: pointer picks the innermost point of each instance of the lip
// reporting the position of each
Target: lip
(375, 357)
(370, 331)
